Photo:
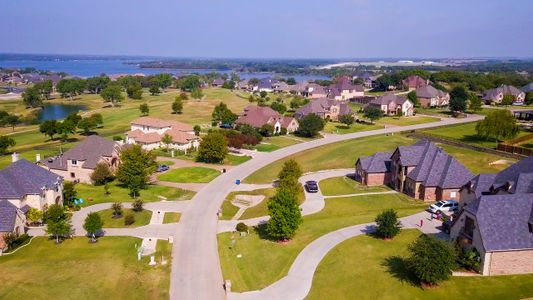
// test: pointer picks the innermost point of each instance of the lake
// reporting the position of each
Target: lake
(58, 111)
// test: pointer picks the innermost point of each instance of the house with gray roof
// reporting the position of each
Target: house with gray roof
(325, 108)
(496, 219)
(527, 88)
(422, 171)
(343, 89)
(78, 163)
(258, 116)
(495, 96)
(392, 104)
(428, 96)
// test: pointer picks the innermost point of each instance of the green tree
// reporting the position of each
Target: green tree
(49, 128)
(167, 140)
(508, 99)
(189, 83)
(163, 80)
(183, 96)
(373, 113)
(154, 90)
(58, 224)
(112, 93)
(285, 215)
(69, 192)
(177, 105)
(97, 83)
(529, 98)
(458, 97)
(388, 225)
(90, 123)
(213, 148)
(34, 215)
(66, 128)
(475, 102)
(145, 110)
(135, 90)
(196, 93)
(431, 260)
(101, 174)
(499, 124)
(93, 225)
(70, 87)
(310, 125)
(290, 169)
(413, 98)
(44, 89)
(291, 81)
(346, 120)
(197, 129)
(279, 107)
(266, 130)
(222, 114)
(138, 205)
(263, 94)
(32, 98)
(135, 168)
(5, 143)
(117, 209)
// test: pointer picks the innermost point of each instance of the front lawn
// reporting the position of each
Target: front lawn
(406, 121)
(340, 128)
(270, 144)
(95, 194)
(189, 175)
(236, 160)
(376, 270)
(77, 269)
(141, 218)
(344, 185)
(264, 261)
(171, 217)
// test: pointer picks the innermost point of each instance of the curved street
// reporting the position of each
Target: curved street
(196, 271)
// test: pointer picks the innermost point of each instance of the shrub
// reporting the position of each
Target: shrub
(290, 168)
(469, 259)
(266, 130)
(138, 205)
(101, 174)
(388, 225)
(117, 138)
(117, 209)
(431, 260)
(129, 219)
(285, 215)
(213, 148)
(241, 227)
(13, 241)
(310, 125)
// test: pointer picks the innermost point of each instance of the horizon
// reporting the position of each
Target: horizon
(342, 30)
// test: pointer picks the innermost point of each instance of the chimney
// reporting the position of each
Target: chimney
(14, 157)
(37, 157)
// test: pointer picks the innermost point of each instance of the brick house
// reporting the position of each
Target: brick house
(496, 219)
(391, 105)
(428, 96)
(496, 95)
(257, 116)
(422, 171)
(148, 132)
(325, 108)
(78, 163)
(413, 82)
(343, 89)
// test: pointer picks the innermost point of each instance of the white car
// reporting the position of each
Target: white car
(444, 206)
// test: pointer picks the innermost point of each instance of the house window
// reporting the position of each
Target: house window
(72, 175)
(453, 194)
(74, 162)
(469, 227)
(530, 226)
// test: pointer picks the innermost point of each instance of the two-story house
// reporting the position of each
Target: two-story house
(391, 104)
(325, 108)
(428, 96)
(496, 95)
(257, 116)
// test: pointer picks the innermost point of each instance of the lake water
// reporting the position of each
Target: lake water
(58, 111)
(94, 67)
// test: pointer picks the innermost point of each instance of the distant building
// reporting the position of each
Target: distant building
(391, 104)
(218, 82)
(148, 132)
(496, 95)
(325, 108)
(343, 89)
(527, 88)
(428, 96)
(413, 82)
(257, 116)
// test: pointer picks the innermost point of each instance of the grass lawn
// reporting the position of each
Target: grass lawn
(95, 194)
(141, 218)
(274, 143)
(406, 121)
(264, 261)
(189, 175)
(477, 162)
(171, 217)
(235, 160)
(376, 270)
(76, 269)
(344, 185)
(339, 128)
(165, 162)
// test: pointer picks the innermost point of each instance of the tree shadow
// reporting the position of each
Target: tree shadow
(261, 231)
(398, 268)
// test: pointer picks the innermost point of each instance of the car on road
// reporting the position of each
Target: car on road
(162, 168)
(311, 186)
(444, 206)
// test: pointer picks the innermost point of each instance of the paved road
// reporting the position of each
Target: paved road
(196, 272)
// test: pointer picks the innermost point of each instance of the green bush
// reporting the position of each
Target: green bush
(469, 259)
(388, 225)
(117, 138)
(129, 219)
(241, 227)
(431, 260)
(138, 205)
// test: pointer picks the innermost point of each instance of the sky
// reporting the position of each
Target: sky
(270, 29)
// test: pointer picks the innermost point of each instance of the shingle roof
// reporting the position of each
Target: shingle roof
(90, 150)
(8, 215)
(322, 106)
(502, 221)
(377, 163)
(429, 91)
(23, 178)
(516, 176)
(387, 99)
(492, 94)
(160, 123)
(414, 81)
(258, 116)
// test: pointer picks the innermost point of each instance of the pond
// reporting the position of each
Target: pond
(58, 111)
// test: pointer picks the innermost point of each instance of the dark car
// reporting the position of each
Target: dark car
(446, 226)
(162, 168)
(311, 186)
(226, 126)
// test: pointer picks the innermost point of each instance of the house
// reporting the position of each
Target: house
(280, 87)
(422, 171)
(148, 132)
(315, 91)
(496, 95)
(428, 96)
(496, 219)
(12, 220)
(368, 79)
(266, 85)
(257, 116)
(217, 82)
(391, 104)
(243, 84)
(413, 82)
(343, 89)
(325, 108)
(78, 163)
(527, 88)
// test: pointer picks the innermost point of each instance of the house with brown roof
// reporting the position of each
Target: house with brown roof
(325, 108)
(495, 96)
(257, 116)
(77, 164)
(315, 91)
(496, 219)
(422, 171)
(413, 82)
(149, 132)
(428, 96)
(391, 104)
(343, 89)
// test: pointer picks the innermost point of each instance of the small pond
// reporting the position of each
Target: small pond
(58, 111)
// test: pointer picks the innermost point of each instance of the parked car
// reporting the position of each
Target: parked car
(162, 168)
(444, 206)
(311, 186)
(226, 126)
